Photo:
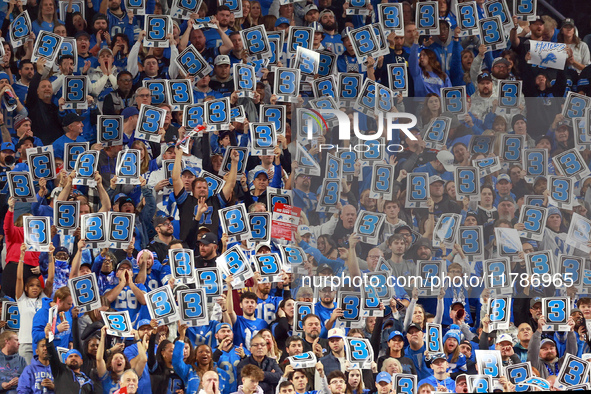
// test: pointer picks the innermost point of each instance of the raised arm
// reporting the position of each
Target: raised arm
(48, 290)
(229, 314)
(101, 366)
(75, 270)
(230, 177)
(103, 195)
(19, 274)
(177, 183)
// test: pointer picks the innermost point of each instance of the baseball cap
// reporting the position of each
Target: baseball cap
(336, 333)
(191, 170)
(435, 178)
(446, 158)
(504, 338)
(124, 262)
(414, 325)
(222, 325)
(501, 60)
(22, 141)
(506, 198)
(256, 174)
(568, 22)
(158, 220)
(547, 340)
(534, 301)
(436, 356)
(503, 177)
(82, 33)
(129, 111)
(384, 377)
(71, 118)
(466, 342)
(395, 334)
(208, 238)
(565, 123)
(484, 76)
(143, 322)
(107, 49)
(303, 229)
(325, 267)
(221, 59)
(310, 7)
(125, 200)
(8, 146)
(324, 12)
(281, 21)
(538, 19)
(3, 75)
(424, 242)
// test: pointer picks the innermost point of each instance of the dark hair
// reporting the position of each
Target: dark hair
(285, 383)
(61, 59)
(25, 62)
(336, 374)
(434, 64)
(150, 57)
(292, 339)
(222, 8)
(248, 295)
(311, 315)
(159, 351)
(124, 72)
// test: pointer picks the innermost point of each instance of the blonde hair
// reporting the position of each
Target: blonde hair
(388, 362)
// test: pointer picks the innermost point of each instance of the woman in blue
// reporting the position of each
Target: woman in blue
(191, 374)
(118, 363)
(426, 70)
(47, 17)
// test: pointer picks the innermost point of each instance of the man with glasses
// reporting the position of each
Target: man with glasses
(117, 100)
(143, 96)
(258, 357)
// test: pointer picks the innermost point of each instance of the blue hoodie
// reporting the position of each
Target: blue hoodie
(40, 320)
(11, 367)
(30, 380)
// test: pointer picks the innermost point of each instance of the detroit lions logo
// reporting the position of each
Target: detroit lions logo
(550, 58)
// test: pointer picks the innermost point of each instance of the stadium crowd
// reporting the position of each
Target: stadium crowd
(249, 341)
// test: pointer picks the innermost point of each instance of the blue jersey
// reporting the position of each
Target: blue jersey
(447, 382)
(323, 312)
(229, 361)
(127, 301)
(418, 359)
(213, 38)
(109, 386)
(118, 25)
(266, 309)
(334, 43)
(203, 335)
(245, 329)
(157, 276)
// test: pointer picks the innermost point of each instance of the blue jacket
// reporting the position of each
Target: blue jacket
(40, 320)
(30, 380)
(423, 84)
(11, 367)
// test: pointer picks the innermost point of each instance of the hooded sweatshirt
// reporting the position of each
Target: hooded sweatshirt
(11, 366)
(258, 390)
(40, 320)
(30, 380)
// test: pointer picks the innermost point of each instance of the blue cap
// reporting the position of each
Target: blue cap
(129, 111)
(222, 325)
(384, 377)
(504, 177)
(454, 332)
(4, 76)
(394, 334)
(256, 174)
(191, 170)
(118, 196)
(554, 211)
(281, 21)
(7, 146)
(73, 351)
(143, 322)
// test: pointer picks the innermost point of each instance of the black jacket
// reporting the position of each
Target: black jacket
(64, 379)
(271, 369)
